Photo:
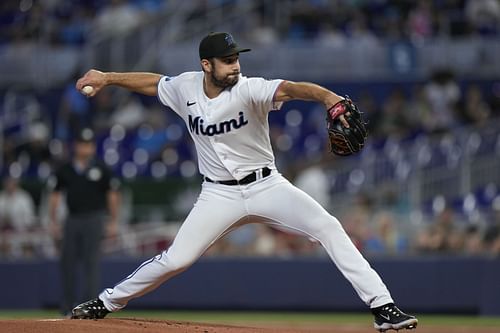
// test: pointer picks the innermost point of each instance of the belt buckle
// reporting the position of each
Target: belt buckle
(258, 174)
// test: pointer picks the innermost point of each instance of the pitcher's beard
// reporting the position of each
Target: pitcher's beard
(228, 81)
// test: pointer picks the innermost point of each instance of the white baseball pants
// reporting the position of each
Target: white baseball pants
(220, 208)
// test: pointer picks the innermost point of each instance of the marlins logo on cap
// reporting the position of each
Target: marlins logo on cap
(219, 44)
(229, 39)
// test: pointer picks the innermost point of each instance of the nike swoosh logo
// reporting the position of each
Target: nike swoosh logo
(385, 317)
(189, 104)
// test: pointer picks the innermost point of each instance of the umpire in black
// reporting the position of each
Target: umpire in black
(91, 195)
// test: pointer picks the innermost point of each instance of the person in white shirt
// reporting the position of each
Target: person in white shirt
(17, 220)
(17, 209)
(226, 114)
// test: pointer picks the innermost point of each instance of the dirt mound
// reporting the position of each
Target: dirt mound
(129, 325)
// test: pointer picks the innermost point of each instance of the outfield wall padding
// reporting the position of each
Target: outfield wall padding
(430, 284)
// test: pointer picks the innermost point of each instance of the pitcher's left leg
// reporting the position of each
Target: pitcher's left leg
(280, 201)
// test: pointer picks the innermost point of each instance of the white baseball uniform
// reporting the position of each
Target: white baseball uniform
(231, 134)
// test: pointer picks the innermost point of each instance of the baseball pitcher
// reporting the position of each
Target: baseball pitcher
(226, 114)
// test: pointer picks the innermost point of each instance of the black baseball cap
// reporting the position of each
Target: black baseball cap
(85, 135)
(219, 44)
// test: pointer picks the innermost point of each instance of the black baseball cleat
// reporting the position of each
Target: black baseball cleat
(389, 317)
(93, 309)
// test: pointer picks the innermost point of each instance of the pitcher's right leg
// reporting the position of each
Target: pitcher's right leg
(218, 207)
(278, 200)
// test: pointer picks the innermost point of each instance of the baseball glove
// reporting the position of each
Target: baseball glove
(345, 141)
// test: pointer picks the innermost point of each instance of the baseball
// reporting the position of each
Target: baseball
(87, 90)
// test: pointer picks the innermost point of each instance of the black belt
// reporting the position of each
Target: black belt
(246, 180)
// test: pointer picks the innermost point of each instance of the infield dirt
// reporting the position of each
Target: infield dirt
(129, 325)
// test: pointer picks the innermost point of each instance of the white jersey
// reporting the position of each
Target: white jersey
(230, 131)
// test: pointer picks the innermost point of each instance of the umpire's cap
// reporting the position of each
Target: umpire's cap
(219, 44)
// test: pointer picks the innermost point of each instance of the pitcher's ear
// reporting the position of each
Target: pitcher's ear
(206, 65)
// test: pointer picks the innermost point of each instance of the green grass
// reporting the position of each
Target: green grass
(28, 314)
(238, 317)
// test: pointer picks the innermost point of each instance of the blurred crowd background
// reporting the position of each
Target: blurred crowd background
(426, 74)
(77, 22)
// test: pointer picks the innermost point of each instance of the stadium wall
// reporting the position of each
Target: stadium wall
(430, 284)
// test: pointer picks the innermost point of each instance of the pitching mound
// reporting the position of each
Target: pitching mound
(129, 325)
(126, 325)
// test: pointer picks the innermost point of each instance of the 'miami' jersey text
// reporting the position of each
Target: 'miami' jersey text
(196, 125)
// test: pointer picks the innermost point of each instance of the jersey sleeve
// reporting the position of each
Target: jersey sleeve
(168, 92)
(261, 93)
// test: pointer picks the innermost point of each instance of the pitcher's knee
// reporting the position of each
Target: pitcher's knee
(325, 225)
(177, 262)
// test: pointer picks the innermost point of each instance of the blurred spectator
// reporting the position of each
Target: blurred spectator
(455, 241)
(492, 233)
(314, 181)
(475, 110)
(118, 18)
(241, 240)
(292, 243)
(329, 35)
(419, 109)
(21, 109)
(358, 30)
(435, 238)
(265, 243)
(261, 32)
(17, 221)
(395, 118)
(356, 221)
(129, 114)
(420, 21)
(483, 16)
(74, 25)
(385, 237)
(151, 134)
(443, 94)
(493, 243)
(35, 152)
(17, 209)
(304, 21)
(473, 244)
